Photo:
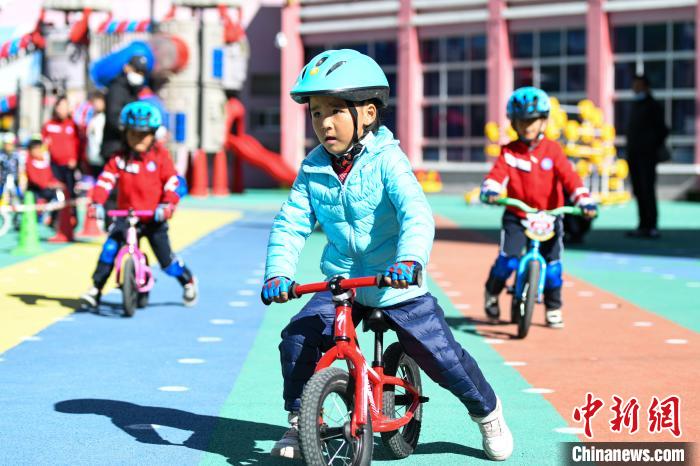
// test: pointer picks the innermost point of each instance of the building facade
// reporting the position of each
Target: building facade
(453, 63)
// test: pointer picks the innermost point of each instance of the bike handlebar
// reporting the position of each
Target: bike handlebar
(126, 213)
(297, 290)
(507, 201)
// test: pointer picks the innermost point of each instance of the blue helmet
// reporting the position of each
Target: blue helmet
(140, 116)
(528, 102)
(346, 74)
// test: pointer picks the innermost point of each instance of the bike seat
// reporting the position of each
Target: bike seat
(375, 321)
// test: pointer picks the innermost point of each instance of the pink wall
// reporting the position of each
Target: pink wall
(410, 87)
(292, 115)
(599, 59)
(499, 64)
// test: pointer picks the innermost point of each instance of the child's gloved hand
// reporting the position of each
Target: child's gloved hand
(489, 197)
(96, 211)
(163, 212)
(589, 208)
(400, 274)
(276, 289)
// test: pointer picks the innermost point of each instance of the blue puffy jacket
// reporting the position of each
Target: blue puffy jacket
(378, 216)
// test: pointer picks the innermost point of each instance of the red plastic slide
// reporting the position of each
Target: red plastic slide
(249, 149)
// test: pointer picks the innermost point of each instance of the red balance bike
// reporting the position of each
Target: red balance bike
(341, 409)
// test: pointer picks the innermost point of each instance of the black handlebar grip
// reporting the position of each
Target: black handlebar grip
(418, 275)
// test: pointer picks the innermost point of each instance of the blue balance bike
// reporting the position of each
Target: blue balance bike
(532, 267)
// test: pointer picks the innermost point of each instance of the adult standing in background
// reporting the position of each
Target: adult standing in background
(646, 136)
(123, 90)
(60, 134)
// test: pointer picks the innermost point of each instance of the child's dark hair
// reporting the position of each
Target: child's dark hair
(59, 99)
(34, 143)
(96, 95)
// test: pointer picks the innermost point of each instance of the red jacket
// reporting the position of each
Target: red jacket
(39, 172)
(63, 140)
(144, 180)
(536, 176)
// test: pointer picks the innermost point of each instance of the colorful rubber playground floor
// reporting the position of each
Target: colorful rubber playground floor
(179, 386)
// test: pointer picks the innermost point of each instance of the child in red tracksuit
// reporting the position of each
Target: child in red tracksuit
(535, 170)
(61, 136)
(146, 180)
(40, 178)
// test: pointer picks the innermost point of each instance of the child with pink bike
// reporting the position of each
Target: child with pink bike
(147, 181)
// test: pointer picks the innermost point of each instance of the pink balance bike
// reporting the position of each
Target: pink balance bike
(341, 409)
(133, 274)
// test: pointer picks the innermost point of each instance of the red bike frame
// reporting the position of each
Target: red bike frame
(371, 380)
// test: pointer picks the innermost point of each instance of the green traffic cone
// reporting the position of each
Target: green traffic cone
(28, 244)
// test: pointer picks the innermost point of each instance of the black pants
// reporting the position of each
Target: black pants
(157, 234)
(513, 243)
(65, 175)
(643, 176)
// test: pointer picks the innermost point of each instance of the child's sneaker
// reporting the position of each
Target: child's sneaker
(91, 298)
(190, 293)
(493, 312)
(554, 318)
(288, 445)
(497, 439)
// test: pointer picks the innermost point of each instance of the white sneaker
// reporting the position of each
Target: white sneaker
(190, 293)
(497, 439)
(288, 445)
(554, 318)
(91, 298)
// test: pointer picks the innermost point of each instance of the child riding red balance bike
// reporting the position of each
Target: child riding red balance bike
(369, 402)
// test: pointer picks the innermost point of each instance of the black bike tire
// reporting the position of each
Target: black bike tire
(401, 442)
(529, 299)
(324, 382)
(130, 292)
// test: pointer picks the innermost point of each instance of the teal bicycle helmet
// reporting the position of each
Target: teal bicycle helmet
(528, 102)
(347, 74)
(140, 116)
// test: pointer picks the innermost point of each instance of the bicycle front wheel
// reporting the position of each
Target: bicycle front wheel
(528, 298)
(130, 293)
(324, 422)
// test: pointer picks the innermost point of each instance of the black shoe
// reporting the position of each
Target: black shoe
(493, 311)
(648, 233)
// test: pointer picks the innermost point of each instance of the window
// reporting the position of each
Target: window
(552, 59)
(665, 53)
(265, 85)
(454, 90)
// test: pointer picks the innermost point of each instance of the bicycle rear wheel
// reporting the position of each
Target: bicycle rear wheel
(130, 293)
(402, 442)
(528, 298)
(324, 422)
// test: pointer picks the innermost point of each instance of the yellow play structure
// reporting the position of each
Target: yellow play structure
(587, 140)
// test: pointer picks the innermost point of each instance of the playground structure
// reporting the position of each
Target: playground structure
(587, 140)
(198, 65)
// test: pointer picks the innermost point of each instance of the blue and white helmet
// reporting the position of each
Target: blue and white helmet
(140, 116)
(528, 102)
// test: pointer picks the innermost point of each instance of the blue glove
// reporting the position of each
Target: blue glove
(485, 195)
(163, 212)
(274, 287)
(401, 271)
(590, 209)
